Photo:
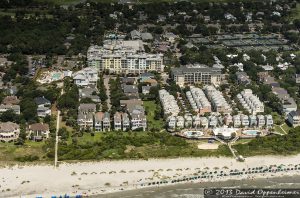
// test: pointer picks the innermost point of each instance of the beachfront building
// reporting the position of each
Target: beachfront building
(39, 131)
(196, 74)
(218, 102)
(188, 121)
(213, 121)
(98, 121)
(204, 122)
(228, 120)
(294, 118)
(224, 132)
(172, 123)
(252, 121)
(168, 103)
(261, 121)
(118, 121)
(244, 120)
(250, 102)
(120, 56)
(180, 122)
(85, 118)
(237, 121)
(125, 122)
(269, 121)
(9, 131)
(196, 121)
(198, 100)
(106, 122)
(86, 77)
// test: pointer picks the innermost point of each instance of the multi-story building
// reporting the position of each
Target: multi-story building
(138, 118)
(196, 74)
(261, 121)
(219, 104)
(125, 122)
(196, 121)
(172, 122)
(294, 118)
(98, 121)
(237, 121)
(269, 121)
(180, 122)
(39, 131)
(15, 108)
(106, 122)
(245, 120)
(198, 100)
(169, 103)
(121, 56)
(250, 102)
(118, 121)
(9, 131)
(252, 121)
(85, 77)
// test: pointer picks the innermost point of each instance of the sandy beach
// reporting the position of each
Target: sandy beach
(92, 178)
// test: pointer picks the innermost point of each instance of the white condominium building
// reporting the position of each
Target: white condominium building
(250, 101)
(124, 57)
(169, 103)
(198, 100)
(218, 102)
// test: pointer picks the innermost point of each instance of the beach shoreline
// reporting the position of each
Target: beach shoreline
(103, 177)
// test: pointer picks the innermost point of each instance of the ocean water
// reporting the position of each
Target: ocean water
(195, 190)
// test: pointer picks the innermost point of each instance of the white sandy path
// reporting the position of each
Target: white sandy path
(45, 180)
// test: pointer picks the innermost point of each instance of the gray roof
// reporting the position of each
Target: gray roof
(202, 68)
(41, 101)
(146, 36)
(87, 107)
(295, 113)
(130, 89)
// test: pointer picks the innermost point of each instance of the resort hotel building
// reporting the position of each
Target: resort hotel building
(196, 74)
(120, 56)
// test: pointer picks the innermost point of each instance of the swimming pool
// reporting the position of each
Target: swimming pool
(251, 132)
(193, 134)
(56, 76)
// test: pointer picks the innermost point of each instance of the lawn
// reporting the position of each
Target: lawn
(10, 152)
(278, 129)
(286, 127)
(150, 108)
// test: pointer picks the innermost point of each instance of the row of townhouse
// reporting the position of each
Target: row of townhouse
(198, 100)
(124, 57)
(250, 102)
(168, 103)
(238, 121)
(88, 118)
(218, 102)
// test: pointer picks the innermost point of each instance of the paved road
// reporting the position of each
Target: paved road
(106, 81)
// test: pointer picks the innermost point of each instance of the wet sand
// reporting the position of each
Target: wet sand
(195, 190)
